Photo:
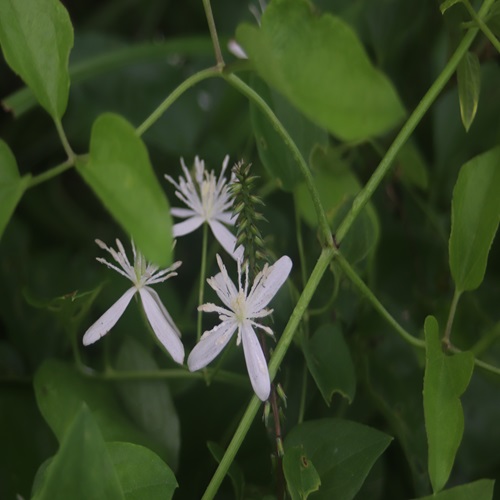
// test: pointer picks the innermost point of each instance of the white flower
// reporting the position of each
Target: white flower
(209, 201)
(242, 308)
(141, 274)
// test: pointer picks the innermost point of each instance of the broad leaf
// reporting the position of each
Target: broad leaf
(301, 477)
(478, 490)
(82, 467)
(273, 152)
(141, 473)
(12, 185)
(319, 64)
(149, 402)
(469, 85)
(474, 218)
(120, 173)
(342, 452)
(447, 4)
(234, 472)
(329, 361)
(36, 38)
(445, 380)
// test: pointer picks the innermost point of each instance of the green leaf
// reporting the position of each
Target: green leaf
(342, 452)
(301, 477)
(493, 18)
(141, 473)
(149, 402)
(82, 467)
(320, 65)
(36, 38)
(447, 4)
(445, 380)
(121, 175)
(12, 185)
(273, 152)
(478, 490)
(469, 85)
(329, 361)
(474, 218)
(234, 472)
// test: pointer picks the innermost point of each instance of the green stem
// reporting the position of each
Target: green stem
(326, 235)
(368, 294)
(366, 193)
(300, 241)
(64, 141)
(213, 33)
(51, 173)
(482, 25)
(203, 272)
(185, 85)
(321, 265)
(451, 317)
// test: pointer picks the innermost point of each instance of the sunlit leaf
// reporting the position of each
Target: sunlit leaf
(319, 64)
(36, 38)
(343, 452)
(445, 380)
(12, 185)
(469, 85)
(474, 218)
(120, 173)
(480, 490)
(301, 477)
(329, 361)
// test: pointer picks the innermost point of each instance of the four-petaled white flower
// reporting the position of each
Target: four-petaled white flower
(141, 274)
(209, 200)
(242, 308)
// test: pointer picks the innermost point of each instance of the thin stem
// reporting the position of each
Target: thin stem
(321, 265)
(368, 294)
(64, 141)
(51, 173)
(366, 193)
(326, 235)
(303, 394)
(185, 85)
(300, 241)
(482, 25)
(203, 272)
(451, 317)
(478, 362)
(213, 33)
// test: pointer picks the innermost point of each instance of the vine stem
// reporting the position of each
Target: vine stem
(482, 25)
(203, 272)
(321, 265)
(51, 173)
(451, 317)
(213, 34)
(64, 141)
(385, 164)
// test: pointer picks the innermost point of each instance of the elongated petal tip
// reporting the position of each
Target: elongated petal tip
(256, 363)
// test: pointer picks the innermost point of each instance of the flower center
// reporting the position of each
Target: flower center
(208, 196)
(239, 306)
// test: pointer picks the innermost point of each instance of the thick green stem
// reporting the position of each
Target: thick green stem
(278, 355)
(213, 33)
(383, 168)
(185, 85)
(451, 317)
(64, 141)
(326, 235)
(50, 174)
(203, 272)
(482, 26)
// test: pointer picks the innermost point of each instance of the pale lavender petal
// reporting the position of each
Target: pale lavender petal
(182, 212)
(256, 362)
(188, 226)
(108, 320)
(227, 218)
(159, 303)
(161, 326)
(210, 345)
(224, 288)
(226, 239)
(267, 283)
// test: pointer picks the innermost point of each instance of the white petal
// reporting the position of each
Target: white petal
(188, 226)
(108, 320)
(236, 50)
(226, 239)
(224, 288)
(210, 345)
(267, 283)
(161, 326)
(256, 363)
(182, 212)
(159, 303)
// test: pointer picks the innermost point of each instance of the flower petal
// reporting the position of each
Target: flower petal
(161, 326)
(226, 239)
(210, 345)
(267, 283)
(159, 303)
(256, 362)
(182, 212)
(188, 226)
(108, 320)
